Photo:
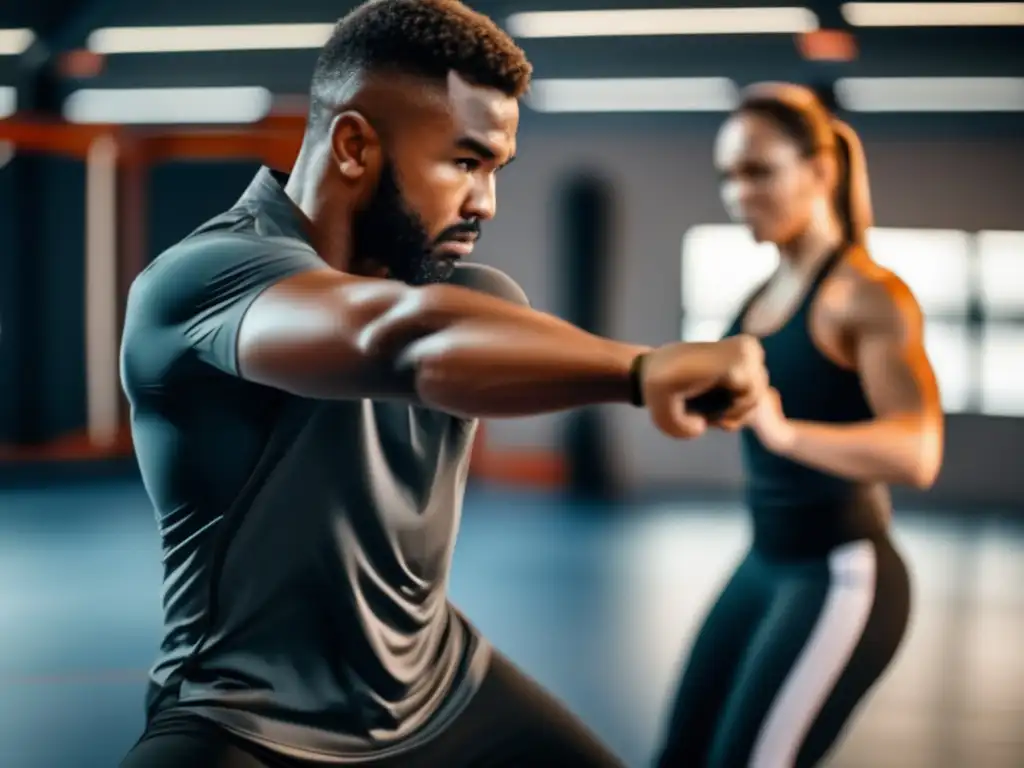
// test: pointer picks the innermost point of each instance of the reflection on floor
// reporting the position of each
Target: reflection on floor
(598, 606)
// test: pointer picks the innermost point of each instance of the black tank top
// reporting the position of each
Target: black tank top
(797, 509)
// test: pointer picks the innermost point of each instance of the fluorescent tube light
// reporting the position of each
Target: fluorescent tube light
(168, 105)
(667, 21)
(236, 37)
(652, 94)
(14, 42)
(934, 14)
(931, 94)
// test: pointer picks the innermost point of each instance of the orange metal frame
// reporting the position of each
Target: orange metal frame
(274, 142)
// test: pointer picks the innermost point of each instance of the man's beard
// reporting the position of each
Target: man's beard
(388, 233)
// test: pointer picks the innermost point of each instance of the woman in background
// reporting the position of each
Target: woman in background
(817, 609)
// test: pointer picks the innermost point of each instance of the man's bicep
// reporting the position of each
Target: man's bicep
(318, 335)
(308, 334)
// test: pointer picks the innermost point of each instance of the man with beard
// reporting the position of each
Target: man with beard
(305, 381)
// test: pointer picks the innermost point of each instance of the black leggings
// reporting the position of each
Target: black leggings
(511, 722)
(785, 655)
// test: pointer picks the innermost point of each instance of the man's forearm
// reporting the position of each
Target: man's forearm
(479, 357)
(504, 371)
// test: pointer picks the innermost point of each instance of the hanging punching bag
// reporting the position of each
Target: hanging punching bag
(585, 236)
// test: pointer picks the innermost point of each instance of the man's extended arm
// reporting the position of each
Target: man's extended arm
(281, 318)
(325, 334)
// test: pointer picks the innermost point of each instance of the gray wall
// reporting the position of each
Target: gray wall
(666, 184)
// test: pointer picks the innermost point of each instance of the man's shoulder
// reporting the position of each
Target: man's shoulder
(489, 280)
(216, 249)
(210, 268)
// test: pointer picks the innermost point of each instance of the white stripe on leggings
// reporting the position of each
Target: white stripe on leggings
(829, 648)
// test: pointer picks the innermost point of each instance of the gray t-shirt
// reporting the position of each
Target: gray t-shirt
(306, 544)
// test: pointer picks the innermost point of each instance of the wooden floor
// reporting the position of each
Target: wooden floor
(597, 604)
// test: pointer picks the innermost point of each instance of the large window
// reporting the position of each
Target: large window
(949, 271)
(721, 265)
(1001, 288)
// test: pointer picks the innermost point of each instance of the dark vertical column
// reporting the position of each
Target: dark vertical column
(24, 267)
(585, 246)
(45, 305)
(12, 307)
(23, 298)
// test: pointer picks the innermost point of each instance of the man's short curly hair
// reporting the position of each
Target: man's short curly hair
(420, 37)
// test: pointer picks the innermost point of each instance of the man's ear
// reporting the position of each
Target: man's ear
(355, 147)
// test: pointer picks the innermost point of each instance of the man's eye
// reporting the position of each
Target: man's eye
(468, 164)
